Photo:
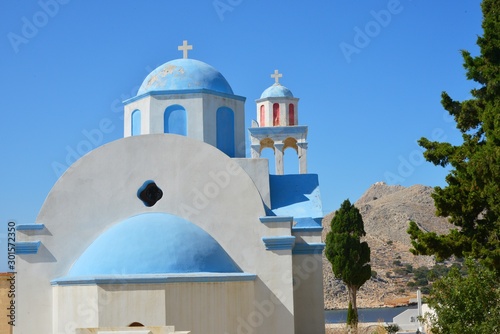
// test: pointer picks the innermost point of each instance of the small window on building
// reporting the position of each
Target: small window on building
(262, 116)
(136, 123)
(225, 131)
(291, 114)
(276, 114)
(175, 120)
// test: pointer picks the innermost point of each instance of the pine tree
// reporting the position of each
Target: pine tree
(349, 256)
(471, 198)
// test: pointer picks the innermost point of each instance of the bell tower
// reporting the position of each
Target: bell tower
(278, 125)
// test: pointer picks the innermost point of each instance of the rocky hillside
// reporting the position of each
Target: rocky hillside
(386, 212)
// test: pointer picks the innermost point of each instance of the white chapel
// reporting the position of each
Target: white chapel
(172, 229)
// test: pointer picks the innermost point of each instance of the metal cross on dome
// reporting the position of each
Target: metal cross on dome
(184, 48)
(276, 76)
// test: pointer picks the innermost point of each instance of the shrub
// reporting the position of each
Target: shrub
(421, 273)
(422, 282)
(473, 299)
(392, 328)
(400, 271)
(425, 290)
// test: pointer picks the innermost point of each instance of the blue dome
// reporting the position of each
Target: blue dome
(182, 74)
(276, 90)
(153, 243)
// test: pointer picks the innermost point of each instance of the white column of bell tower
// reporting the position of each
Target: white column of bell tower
(302, 152)
(278, 158)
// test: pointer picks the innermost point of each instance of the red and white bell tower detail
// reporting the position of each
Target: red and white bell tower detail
(278, 107)
(277, 125)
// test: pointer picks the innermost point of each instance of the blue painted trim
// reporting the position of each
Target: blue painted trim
(307, 229)
(224, 125)
(277, 98)
(279, 243)
(154, 278)
(275, 219)
(184, 91)
(27, 247)
(30, 227)
(312, 248)
(308, 224)
(265, 130)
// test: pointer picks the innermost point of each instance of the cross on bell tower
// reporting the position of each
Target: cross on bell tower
(184, 48)
(276, 77)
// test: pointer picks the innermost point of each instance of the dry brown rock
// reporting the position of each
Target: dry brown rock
(386, 212)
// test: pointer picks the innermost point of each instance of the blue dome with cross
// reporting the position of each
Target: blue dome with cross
(153, 243)
(185, 74)
(276, 90)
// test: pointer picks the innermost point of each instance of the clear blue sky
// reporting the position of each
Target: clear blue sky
(366, 97)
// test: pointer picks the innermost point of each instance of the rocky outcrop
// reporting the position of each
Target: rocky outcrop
(387, 211)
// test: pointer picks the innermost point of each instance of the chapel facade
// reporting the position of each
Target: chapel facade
(172, 229)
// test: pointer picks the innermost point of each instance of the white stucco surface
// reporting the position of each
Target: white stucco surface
(199, 184)
(201, 111)
(197, 307)
(262, 273)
